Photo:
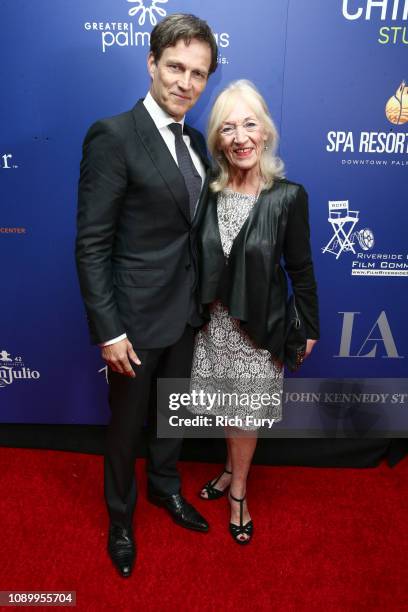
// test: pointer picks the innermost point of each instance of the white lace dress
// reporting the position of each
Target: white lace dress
(225, 358)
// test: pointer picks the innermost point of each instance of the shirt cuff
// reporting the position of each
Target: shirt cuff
(114, 340)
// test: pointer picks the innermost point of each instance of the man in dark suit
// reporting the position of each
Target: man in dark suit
(143, 183)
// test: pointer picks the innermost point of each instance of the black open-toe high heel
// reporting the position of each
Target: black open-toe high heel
(212, 492)
(237, 530)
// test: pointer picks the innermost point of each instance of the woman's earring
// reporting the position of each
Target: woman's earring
(266, 147)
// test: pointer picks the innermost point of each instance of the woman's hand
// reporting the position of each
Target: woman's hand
(309, 347)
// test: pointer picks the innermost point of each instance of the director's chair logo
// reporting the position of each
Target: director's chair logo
(147, 11)
(345, 237)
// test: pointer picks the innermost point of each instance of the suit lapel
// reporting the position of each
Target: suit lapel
(196, 143)
(203, 199)
(161, 157)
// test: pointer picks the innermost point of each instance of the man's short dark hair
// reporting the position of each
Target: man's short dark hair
(181, 26)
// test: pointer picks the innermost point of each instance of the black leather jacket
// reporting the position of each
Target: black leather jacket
(252, 282)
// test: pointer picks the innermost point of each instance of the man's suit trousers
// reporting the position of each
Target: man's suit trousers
(133, 403)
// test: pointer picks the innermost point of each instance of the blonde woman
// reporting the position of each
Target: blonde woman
(255, 221)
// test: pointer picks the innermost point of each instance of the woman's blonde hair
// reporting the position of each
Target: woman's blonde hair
(271, 166)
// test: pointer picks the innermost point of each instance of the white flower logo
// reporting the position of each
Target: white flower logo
(151, 10)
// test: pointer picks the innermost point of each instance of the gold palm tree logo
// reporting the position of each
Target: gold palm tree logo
(396, 108)
(150, 11)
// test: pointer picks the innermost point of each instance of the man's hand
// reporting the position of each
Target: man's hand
(118, 357)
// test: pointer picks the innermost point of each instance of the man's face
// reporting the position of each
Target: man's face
(180, 76)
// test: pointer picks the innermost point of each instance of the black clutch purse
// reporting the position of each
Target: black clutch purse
(295, 337)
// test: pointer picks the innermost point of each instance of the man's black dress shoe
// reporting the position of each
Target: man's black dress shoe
(181, 511)
(121, 549)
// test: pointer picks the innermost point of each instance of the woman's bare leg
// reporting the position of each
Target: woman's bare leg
(241, 446)
(225, 479)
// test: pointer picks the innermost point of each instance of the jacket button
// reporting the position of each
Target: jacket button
(188, 266)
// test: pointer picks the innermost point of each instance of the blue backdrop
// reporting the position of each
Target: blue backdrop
(333, 76)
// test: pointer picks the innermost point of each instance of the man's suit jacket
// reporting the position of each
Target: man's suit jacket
(136, 245)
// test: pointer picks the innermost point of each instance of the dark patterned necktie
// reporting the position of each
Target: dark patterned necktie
(186, 166)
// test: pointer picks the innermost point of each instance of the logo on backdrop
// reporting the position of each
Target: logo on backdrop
(343, 222)
(104, 371)
(379, 342)
(13, 230)
(13, 369)
(380, 148)
(347, 238)
(396, 109)
(151, 11)
(6, 162)
(125, 34)
(389, 11)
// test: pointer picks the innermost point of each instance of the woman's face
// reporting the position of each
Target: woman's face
(242, 137)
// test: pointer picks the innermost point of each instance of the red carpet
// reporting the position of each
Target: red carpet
(325, 539)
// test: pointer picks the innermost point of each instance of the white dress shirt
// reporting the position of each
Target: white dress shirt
(162, 121)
